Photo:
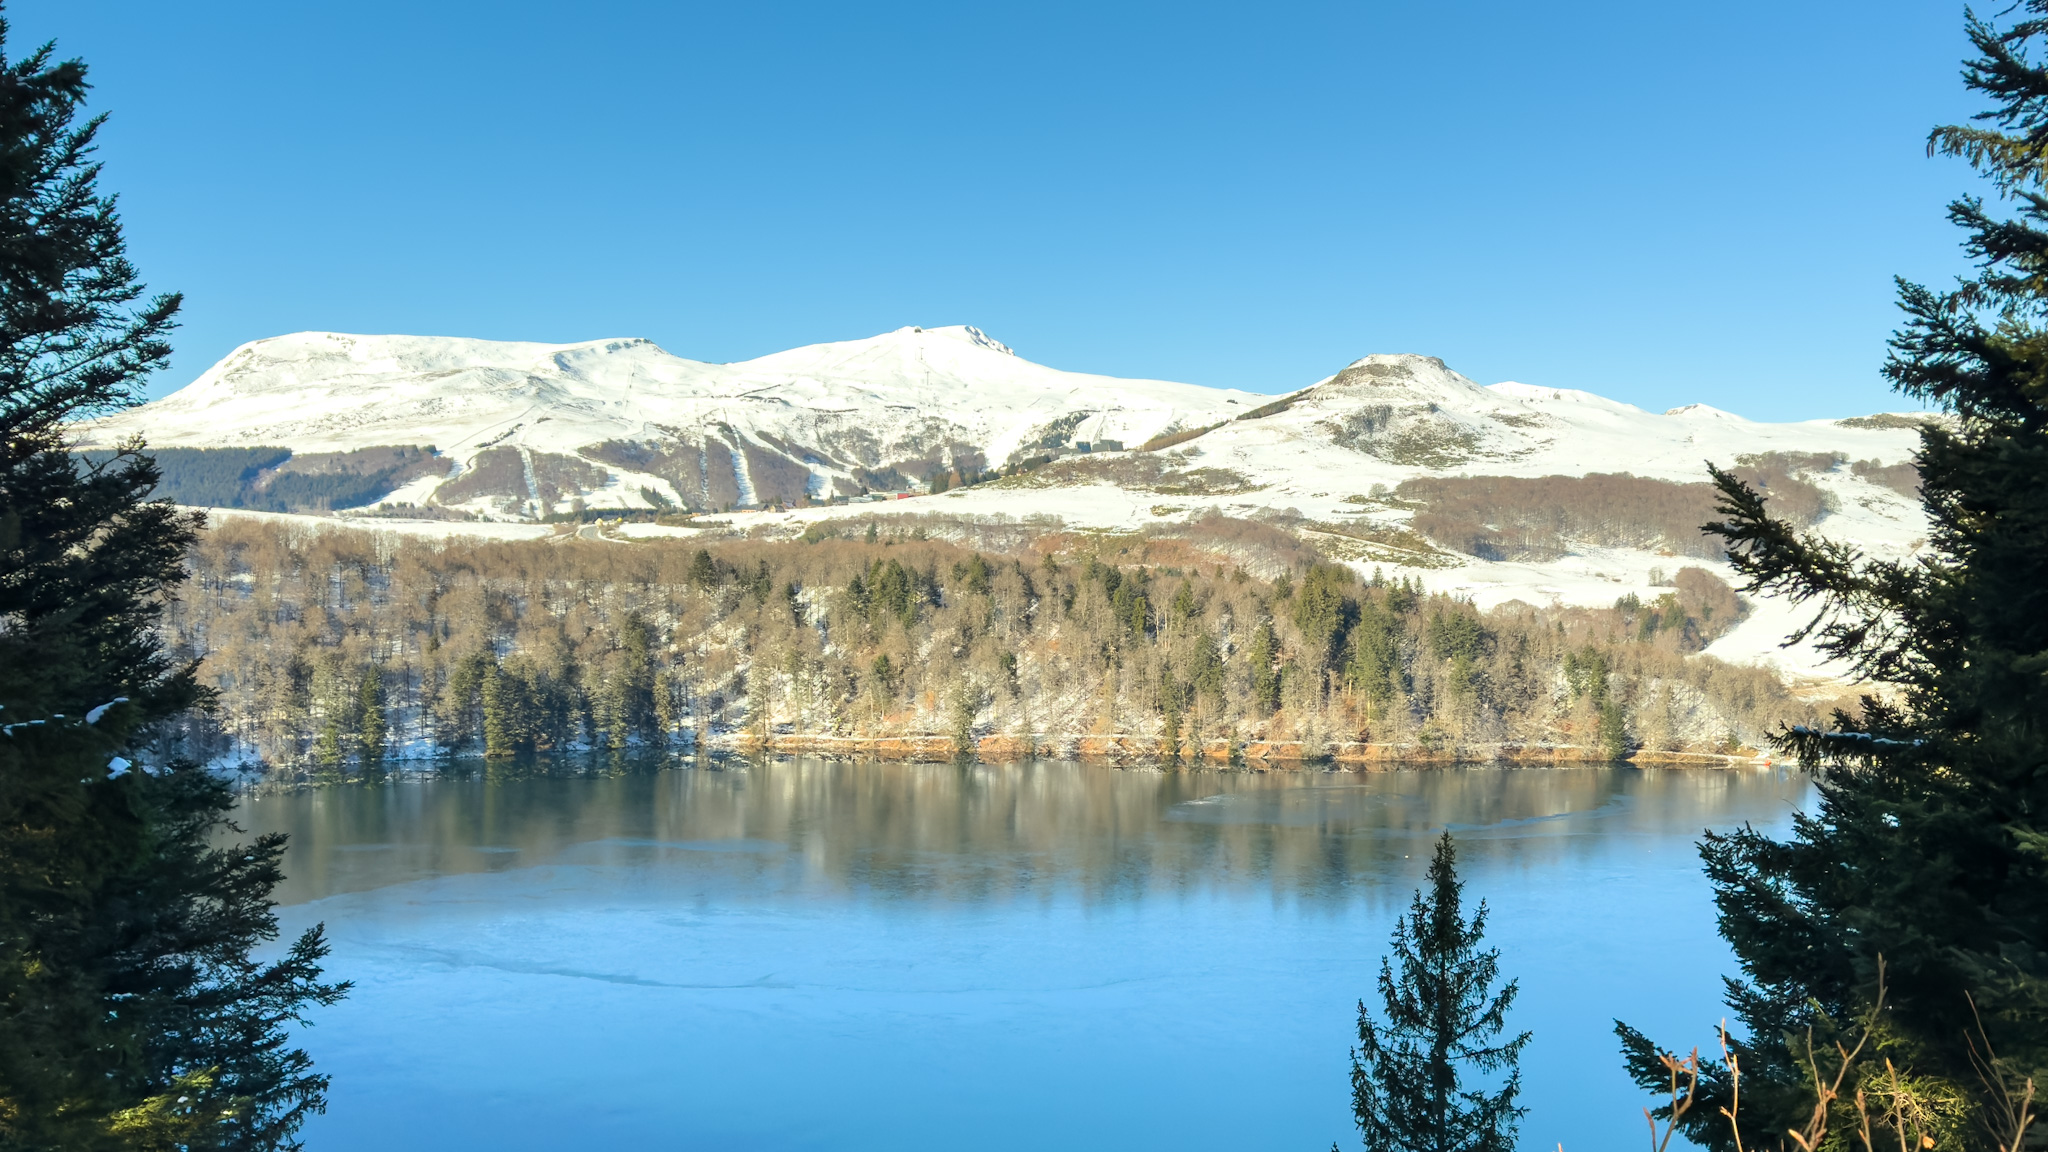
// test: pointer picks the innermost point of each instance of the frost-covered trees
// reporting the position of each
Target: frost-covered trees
(601, 644)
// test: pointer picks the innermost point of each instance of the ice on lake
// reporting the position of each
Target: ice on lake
(810, 955)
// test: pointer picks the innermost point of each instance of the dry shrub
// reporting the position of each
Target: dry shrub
(1781, 476)
(1541, 518)
(1138, 471)
(1903, 478)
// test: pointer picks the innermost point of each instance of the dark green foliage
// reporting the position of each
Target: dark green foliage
(703, 572)
(622, 708)
(1375, 669)
(968, 701)
(1265, 676)
(207, 477)
(889, 591)
(460, 721)
(1410, 1090)
(974, 575)
(503, 709)
(317, 482)
(1323, 612)
(1613, 734)
(520, 706)
(1586, 674)
(1205, 668)
(1130, 602)
(1173, 699)
(274, 480)
(761, 583)
(335, 699)
(131, 1015)
(371, 726)
(1929, 846)
(1132, 606)
(1455, 636)
(1046, 638)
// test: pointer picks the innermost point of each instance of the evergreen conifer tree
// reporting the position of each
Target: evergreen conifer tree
(1409, 1091)
(131, 1012)
(503, 714)
(1929, 844)
(370, 716)
(1265, 678)
(1323, 611)
(1375, 655)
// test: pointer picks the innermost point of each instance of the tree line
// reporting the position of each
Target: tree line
(336, 648)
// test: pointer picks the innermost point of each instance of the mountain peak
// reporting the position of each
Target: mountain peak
(1404, 374)
(965, 333)
(1397, 363)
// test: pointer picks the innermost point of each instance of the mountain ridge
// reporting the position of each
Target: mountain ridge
(852, 416)
(1367, 462)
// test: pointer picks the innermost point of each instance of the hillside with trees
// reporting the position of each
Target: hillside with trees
(339, 648)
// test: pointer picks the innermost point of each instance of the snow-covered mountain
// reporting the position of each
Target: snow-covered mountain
(1331, 461)
(523, 429)
(1395, 460)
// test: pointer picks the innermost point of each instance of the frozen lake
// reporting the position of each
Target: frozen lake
(813, 955)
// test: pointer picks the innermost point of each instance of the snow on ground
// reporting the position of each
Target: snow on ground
(1325, 458)
(426, 529)
(652, 532)
(904, 395)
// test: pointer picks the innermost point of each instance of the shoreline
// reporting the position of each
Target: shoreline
(1118, 748)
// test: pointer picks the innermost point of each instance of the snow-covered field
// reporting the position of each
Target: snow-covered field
(424, 529)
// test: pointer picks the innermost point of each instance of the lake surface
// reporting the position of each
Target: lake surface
(812, 955)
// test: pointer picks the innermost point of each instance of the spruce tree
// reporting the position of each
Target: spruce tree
(131, 1012)
(502, 711)
(1376, 655)
(1323, 612)
(373, 727)
(1929, 844)
(1265, 678)
(1409, 1087)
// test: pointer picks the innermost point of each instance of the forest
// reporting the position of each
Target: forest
(1540, 518)
(278, 480)
(335, 648)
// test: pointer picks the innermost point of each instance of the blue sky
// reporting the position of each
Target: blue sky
(1661, 203)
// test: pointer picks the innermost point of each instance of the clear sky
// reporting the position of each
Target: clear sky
(1663, 203)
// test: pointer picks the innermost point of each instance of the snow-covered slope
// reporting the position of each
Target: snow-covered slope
(1328, 458)
(614, 422)
(527, 429)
